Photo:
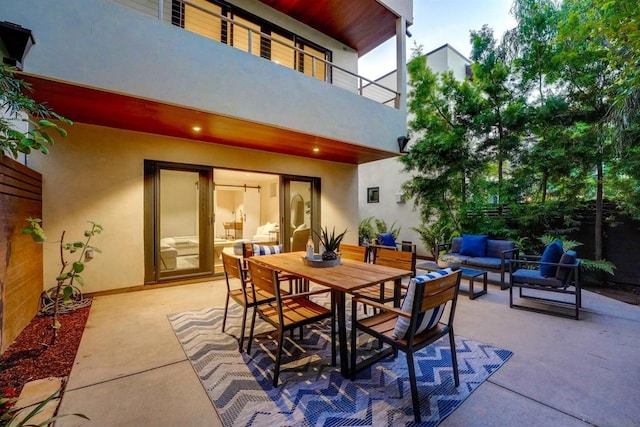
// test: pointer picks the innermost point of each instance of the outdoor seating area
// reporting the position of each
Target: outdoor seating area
(566, 378)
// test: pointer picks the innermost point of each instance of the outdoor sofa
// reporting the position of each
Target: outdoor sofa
(480, 252)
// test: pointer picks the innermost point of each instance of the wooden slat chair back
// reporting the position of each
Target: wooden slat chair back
(353, 252)
(246, 295)
(288, 311)
(385, 292)
(428, 295)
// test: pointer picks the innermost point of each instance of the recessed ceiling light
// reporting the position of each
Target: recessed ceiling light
(316, 149)
(197, 128)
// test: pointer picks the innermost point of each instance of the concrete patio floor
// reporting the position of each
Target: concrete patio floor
(130, 369)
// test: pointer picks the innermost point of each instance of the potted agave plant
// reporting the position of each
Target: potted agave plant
(330, 242)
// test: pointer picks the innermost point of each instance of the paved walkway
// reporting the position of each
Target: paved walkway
(130, 369)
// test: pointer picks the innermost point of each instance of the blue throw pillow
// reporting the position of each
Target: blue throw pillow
(552, 253)
(426, 320)
(474, 245)
(386, 239)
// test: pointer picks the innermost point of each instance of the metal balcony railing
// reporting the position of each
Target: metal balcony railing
(202, 18)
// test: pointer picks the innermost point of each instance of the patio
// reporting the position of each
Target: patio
(131, 370)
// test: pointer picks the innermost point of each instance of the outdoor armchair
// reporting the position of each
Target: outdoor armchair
(410, 328)
(526, 274)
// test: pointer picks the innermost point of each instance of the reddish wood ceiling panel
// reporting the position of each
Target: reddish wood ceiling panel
(360, 24)
(98, 107)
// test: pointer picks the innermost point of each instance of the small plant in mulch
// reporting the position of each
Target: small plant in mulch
(69, 273)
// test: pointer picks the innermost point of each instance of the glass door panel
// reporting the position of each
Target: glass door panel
(301, 211)
(178, 213)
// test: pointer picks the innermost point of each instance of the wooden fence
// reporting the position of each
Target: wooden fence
(21, 281)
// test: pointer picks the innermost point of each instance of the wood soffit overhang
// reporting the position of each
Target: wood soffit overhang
(360, 24)
(94, 106)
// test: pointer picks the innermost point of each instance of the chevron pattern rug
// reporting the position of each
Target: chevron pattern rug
(311, 392)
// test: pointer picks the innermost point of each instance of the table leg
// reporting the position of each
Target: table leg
(471, 294)
(340, 307)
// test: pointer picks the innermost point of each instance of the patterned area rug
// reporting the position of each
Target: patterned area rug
(311, 392)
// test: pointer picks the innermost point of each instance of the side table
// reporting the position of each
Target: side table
(469, 274)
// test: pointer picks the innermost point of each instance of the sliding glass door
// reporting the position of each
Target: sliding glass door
(178, 216)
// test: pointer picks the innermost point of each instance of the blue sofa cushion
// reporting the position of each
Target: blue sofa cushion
(474, 245)
(456, 244)
(484, 262)
(534, 277)
(386, 239)
(552, 253)
(495, 248)
(426, 320)
(569, 257)
(462, 258)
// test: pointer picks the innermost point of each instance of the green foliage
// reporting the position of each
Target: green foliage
(366, 232)
(434, 233)
(13, 101)
(550, 120)
(69, 274)
(370, 227)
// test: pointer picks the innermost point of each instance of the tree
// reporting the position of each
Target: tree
(14, 102)
(442, 159)
(501, 116)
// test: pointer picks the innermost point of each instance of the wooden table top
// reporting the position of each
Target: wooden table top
(349, 276)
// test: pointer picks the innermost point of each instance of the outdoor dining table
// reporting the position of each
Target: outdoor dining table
(345, 278)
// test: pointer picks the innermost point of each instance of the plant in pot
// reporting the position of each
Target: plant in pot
(449, 261)
(366, 232)
(69, 273)
(330, 242)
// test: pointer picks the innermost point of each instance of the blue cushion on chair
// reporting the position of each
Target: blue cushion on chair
(474, 245)
(266, 249)
(386, 239)
(552, 253)
(426, 320)
(569, 257)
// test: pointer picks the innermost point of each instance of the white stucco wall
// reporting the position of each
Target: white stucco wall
(96, 174)
(103, 44)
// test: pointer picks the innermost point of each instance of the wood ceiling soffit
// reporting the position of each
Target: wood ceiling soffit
(103, 108)
(360, 24)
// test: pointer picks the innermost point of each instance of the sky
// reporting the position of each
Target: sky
(438, 22)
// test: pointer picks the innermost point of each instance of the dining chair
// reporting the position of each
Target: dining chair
(356, 253)
(381, 292)
(287, 311)
(417, 324)
(246, 296)
(255, 249)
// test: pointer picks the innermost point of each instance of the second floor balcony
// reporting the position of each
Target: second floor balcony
(117, 66)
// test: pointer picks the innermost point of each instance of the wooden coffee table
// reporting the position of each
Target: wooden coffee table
(469, 274)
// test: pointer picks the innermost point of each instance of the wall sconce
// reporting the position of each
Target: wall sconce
(402, 143)
(17, 42)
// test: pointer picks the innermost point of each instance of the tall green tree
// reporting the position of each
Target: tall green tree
(580, 65)
(500, 121)
(442, 160)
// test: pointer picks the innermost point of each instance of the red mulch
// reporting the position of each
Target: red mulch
(31, 357)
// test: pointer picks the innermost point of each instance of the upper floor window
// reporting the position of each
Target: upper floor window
(252, 34)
